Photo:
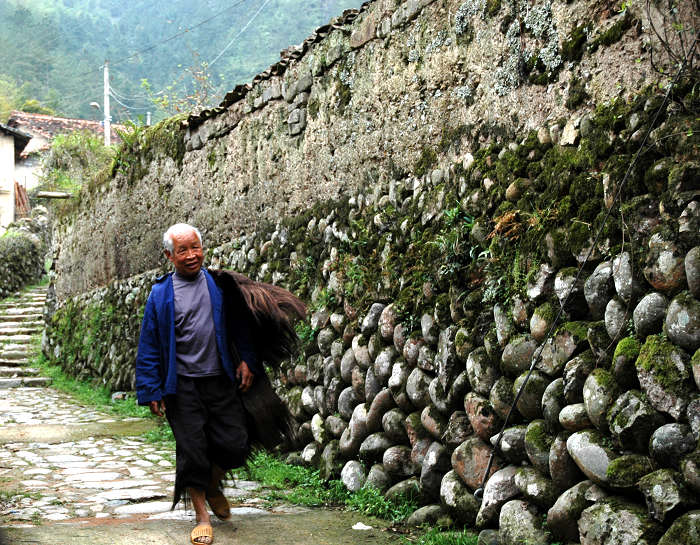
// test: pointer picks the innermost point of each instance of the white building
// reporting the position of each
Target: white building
(12, 144)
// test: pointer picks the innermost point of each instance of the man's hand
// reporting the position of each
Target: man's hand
(157, 407)
(244, 376)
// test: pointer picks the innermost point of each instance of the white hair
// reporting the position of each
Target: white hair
(177, 229)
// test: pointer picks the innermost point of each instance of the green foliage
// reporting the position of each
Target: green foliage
(74, 160)
(435, 536)
(33, 106)
(303, 486)
(11, 95)
(21, 261)
(305, 332)
(370, 501)
(299, 485)
(162, 434)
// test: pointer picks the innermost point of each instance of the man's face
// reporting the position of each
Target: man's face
(187, 255)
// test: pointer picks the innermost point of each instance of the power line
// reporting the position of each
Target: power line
(241, 32)
(124, 97)
(129, 107)
(166, 40)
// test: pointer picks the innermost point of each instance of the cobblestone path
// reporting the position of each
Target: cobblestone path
(70, 474)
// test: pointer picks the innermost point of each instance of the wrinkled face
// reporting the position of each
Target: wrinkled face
(187, 255)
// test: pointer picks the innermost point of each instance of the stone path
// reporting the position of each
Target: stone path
(71, 474)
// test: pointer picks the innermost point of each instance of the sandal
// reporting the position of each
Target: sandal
(202, 530)
(219, 506)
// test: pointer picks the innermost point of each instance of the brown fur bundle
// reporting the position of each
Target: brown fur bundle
(270, 311)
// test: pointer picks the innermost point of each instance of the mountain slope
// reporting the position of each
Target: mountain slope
(52, 50)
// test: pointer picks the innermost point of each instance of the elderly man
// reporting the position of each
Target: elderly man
(197, 358)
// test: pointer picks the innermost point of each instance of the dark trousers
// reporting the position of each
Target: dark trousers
(209, 425)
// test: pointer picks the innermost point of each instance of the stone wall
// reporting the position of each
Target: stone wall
(435, 270)
(22, 252)
(398, 89)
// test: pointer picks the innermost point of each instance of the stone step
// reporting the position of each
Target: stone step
(14, 372)
(22, 318)
(20, 312)
(18, 330)
(13, 363)
(14, 355)
(14, 339)
(37, 305)
(7, 383)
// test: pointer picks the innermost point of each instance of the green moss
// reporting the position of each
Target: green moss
(211, 157)
(658, 356)
(452, 136)
(614, 33)
(426, 161)
(578, 237)
(625, 471)
(344, 94)
(537, 436)
(579, 330)
(313, 108)
(493, 7)
(605, 379)
(577, 94)
(573, 47)
(628, 348)
(546, 311)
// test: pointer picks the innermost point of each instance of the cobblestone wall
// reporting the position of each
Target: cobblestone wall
(22, 252)
(396, 90)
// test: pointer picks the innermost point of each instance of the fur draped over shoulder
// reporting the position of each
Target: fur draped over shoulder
(271, 311)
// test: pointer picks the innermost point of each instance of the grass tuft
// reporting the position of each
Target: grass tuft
(370, 501)
(91, 393)
(303, 486)
(435, 536)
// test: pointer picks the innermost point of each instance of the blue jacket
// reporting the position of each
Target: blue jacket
(156, 367)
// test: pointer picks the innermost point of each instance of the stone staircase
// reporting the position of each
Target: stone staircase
(21, 320)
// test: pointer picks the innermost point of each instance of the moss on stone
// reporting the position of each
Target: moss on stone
(313, 108)
(577, 94)
(451, 136)
(578, 330)
(615, 32)
(537, 436)
(605, 379)
(426, 161)
(627, 348)
(573, 47)
(625, 471)
(546, 311)
(493, 7)
(656, 357)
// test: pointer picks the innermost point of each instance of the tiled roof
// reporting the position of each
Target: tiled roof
(21, 139)
(48, 126)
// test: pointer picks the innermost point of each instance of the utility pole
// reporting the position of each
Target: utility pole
(107, 125)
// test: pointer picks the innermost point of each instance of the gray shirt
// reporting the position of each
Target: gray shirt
(196, 353)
